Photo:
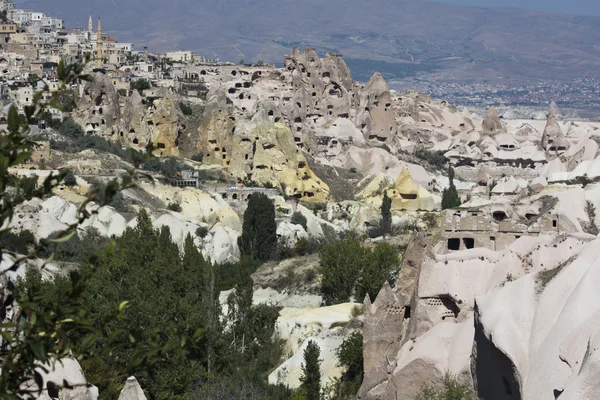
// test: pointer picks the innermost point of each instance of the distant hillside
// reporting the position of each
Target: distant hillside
(400, 38)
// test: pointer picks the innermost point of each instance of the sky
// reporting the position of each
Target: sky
(579, 7)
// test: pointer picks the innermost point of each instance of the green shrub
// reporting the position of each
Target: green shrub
(450, 389)
(379, 267)
(302, 247)
(434, 158)
(431, 220)
(299, 219)
(140, 85)
(105, 195)
(201, 232)
(78, 250)
(350, 357)
(386, 215)
(186, 109)
(70, 179)
(174, 207)
(198, 157)
(17, 243)
(350, 269)
(71, 129)
(167, 167)
(78, 140)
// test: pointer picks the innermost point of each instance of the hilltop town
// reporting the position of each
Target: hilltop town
(492, 217)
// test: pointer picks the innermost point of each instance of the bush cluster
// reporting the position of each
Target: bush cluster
(353, 270)
(434, 158)
(173, 300)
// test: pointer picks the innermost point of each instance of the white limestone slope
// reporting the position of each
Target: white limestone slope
(325, 326)
(54, 214)
(547, 325)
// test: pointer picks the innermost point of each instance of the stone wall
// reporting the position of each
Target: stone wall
(493, 229)
(470, 174)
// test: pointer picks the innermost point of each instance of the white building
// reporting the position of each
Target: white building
(127, 47)
(52, 22)
(179, 56)
(20, 16)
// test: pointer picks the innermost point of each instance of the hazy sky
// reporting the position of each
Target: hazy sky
(581, 7)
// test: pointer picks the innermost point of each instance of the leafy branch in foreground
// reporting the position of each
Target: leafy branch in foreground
(35, 335)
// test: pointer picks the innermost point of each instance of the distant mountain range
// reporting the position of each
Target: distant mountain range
(400, 38)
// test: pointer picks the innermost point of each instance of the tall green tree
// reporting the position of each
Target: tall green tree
(259, 230)
(450, 197)
(341, 264)
(386, 215)
(350, 356)
(351, 269)
(378, 267)
(311, 372)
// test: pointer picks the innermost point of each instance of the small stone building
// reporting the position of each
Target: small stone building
(494, 228)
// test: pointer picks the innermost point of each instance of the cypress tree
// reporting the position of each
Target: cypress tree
(259, 231)
(450, 197)
(311, 372)
(386, 215)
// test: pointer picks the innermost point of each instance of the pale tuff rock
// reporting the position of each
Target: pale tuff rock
(387, 318)
(220, 244)
(325, 326)
(128, 121)
(491, 123)
(290, 371)
(289, 234)
(132, 390)
(441, 318)
(261, 150)
(196, 204)
(553, 110)
(376, 113)
(405, 193)
(535, 337)
(66, 369)
(554, 141)
(98, 111)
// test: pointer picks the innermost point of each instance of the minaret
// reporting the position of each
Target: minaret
(90, 25)
(99, 45)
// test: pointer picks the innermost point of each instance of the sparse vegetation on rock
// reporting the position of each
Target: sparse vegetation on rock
(299, 219)
(450, 389)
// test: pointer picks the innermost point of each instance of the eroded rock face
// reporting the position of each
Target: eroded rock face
(127, 120)
(132, 390)
(535, 337)
(260, 149)
(376, 115)
(387, 318)
(491, 123)
(98, 111)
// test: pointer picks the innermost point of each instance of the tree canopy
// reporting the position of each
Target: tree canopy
(311, 372)
(351, 269)
(450, 197)
(259, 230)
